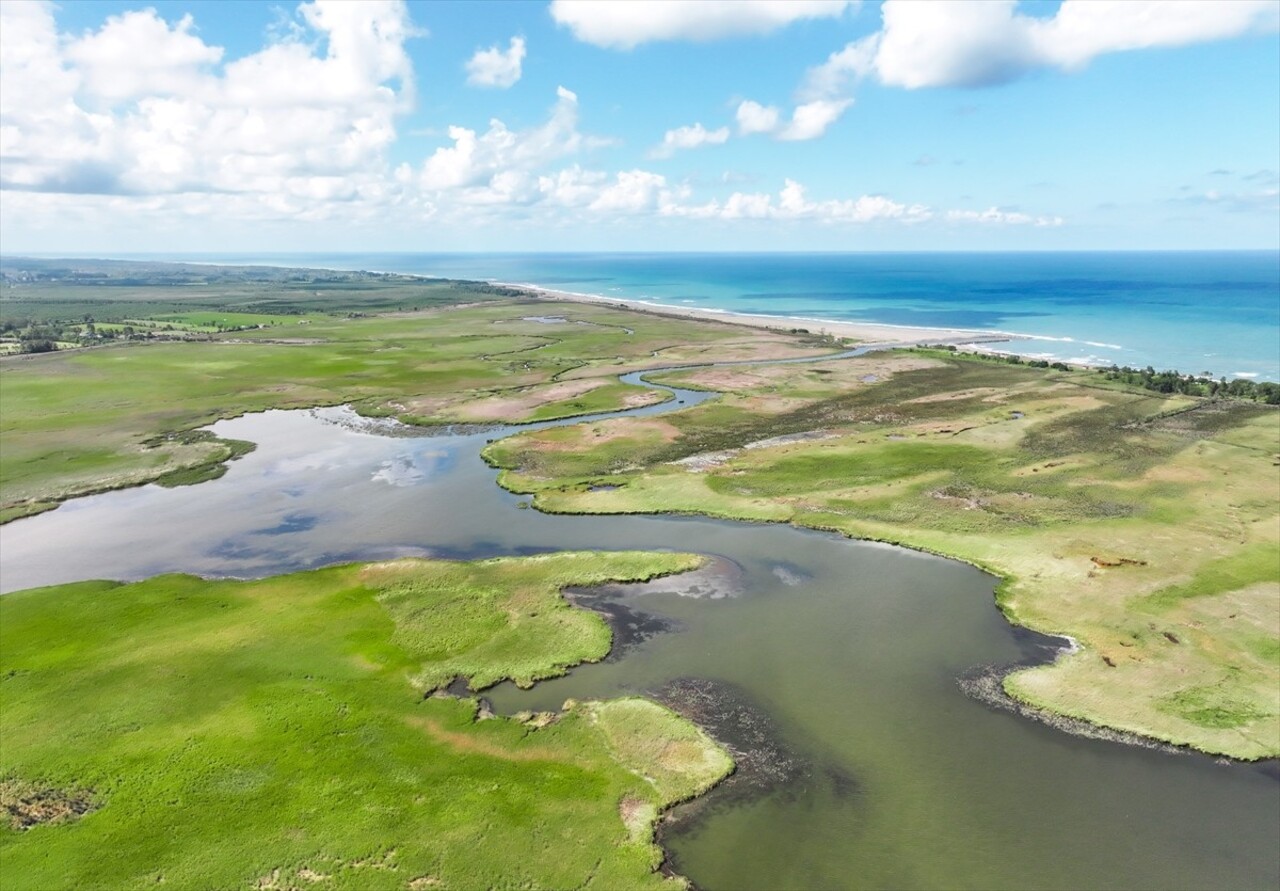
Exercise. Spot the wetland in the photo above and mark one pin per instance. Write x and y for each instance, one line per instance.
(832, 669)
(836, 661)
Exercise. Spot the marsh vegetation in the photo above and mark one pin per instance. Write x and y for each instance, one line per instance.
(283, 736)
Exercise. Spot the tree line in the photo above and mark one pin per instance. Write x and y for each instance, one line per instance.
(1267, 392)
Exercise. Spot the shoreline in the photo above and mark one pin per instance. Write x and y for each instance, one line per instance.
(978, 339)
(879, 334)
(863, 332)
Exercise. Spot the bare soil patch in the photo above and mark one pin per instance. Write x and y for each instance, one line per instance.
(26, 805)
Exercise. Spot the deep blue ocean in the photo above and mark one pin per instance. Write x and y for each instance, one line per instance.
(1193, 311)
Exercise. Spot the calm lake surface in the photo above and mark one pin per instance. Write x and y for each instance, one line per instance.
(846, 653)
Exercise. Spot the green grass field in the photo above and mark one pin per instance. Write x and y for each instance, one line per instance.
(1143, 525)
(111, 291)
(274, 734)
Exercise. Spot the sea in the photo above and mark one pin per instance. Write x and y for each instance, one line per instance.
(1215, 313)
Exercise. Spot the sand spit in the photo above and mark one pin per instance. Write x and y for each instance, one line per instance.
(865, 332)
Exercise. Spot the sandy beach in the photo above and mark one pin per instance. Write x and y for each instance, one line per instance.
(863, 332)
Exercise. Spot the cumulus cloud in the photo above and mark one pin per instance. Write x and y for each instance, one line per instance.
(695, 136)
(631, 191)
(808, 121)
(625, 24)
(493, 67)
(975, 43)
(811, 120)
(756, 118)
(138, 107)
(141, 122)
(474, 159)
(175, 61)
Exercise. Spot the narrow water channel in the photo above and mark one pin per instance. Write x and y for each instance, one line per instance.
(832, 664)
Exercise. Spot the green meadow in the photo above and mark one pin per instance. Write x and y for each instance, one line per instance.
(282, 733)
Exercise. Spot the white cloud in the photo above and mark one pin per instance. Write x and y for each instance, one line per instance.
(632, 191)
(808, 121)
(175, 61)
(756, 118)
(142, 124)
(832, 77)
(792, 203)
(46, 139)
(974, 43)
(474, 159)
(572, 186)
(138, 108)
(1082, 30)
(625, 24)
(695, 136)
(494, 68)
(995, 216)
(811, 120)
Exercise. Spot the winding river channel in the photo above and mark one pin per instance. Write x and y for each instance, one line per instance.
(830, 665)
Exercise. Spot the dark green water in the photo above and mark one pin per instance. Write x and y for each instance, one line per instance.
(835, 663)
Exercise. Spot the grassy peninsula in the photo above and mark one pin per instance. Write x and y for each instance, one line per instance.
(1143, 525)
(274, 734)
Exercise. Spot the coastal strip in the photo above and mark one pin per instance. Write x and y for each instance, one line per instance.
(865, 332)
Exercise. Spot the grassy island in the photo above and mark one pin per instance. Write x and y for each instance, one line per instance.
(275, 733)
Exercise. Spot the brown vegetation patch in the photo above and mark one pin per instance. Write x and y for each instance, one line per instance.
(755, 349)
(519, 403)
(1117, 561)
(621, 428)
(1175, 473)
(637, 815)
(679, 755)
(843, 373)
(424, 406)
(475, 744)
(732, 380)
(638, 400)
(972, 393)
(26, 805)
(966, 500)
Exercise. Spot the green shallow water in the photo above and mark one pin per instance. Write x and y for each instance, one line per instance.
(878, 772)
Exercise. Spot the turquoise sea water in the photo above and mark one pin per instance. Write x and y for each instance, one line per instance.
(1192, 311)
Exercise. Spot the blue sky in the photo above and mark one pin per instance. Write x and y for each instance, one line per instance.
(748, 125)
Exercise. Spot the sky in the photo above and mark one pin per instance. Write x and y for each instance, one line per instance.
(609, 125)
